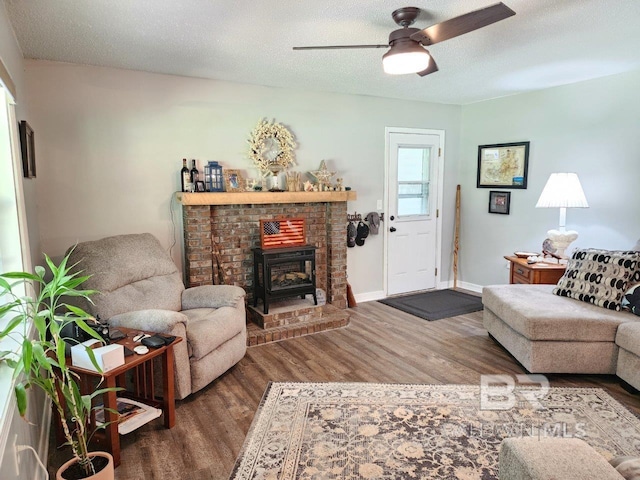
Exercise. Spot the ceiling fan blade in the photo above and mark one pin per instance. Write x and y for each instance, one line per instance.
(336, 47)
(463, 24)
(432, 68)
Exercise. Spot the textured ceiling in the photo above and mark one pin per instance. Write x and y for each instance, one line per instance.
(547, 43)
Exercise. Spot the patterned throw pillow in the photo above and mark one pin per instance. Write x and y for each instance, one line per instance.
(631, 300)
(600, 277)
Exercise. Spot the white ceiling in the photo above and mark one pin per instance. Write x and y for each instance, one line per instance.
(547, 43)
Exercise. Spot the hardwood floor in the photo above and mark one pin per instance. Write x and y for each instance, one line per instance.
(381, 344)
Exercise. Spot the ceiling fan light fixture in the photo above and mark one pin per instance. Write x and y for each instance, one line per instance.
(405, 57)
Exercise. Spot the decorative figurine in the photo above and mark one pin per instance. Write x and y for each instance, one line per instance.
(323, 175)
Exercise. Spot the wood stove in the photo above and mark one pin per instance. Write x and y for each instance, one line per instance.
(283, 272)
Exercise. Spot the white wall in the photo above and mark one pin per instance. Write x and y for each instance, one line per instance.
(590, 128)
(111, 142)
(12, 58)
(12, 426)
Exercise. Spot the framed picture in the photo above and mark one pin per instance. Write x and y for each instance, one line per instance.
(27, 146)
(233, 181)
(499, 202)
(199, 187)
(503, 165)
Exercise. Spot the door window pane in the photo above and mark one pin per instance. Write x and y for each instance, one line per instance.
(413, 181)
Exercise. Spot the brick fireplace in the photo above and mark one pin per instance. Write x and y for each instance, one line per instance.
(220, 230)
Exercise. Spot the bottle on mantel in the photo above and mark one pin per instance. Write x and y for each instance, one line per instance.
(195, 175)
(185, 177)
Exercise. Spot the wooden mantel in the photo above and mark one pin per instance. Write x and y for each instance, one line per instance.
(247, 198)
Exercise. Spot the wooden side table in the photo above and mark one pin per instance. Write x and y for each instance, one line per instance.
(143, 390)
(534, 273)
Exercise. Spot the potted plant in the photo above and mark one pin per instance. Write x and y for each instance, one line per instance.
(36, 321)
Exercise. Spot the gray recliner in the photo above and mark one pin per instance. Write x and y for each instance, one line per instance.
(140, 287)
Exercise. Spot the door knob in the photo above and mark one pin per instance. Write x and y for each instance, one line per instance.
(392, 229)
(392, 218)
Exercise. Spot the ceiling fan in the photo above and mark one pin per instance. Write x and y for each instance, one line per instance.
(406, 45)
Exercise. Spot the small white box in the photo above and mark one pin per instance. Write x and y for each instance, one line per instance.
(107, 357)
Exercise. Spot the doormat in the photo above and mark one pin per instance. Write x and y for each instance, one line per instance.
(436, 304)
(368, 430)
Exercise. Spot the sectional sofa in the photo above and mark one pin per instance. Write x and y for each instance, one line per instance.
(577, 326)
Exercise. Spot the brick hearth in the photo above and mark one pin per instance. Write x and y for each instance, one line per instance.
(220, 229)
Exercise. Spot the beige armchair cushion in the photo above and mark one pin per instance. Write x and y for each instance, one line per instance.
(131, 272)
(210, 296)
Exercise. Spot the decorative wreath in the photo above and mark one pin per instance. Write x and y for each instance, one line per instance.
(258, 146)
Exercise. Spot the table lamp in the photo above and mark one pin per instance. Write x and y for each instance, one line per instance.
(563, 190)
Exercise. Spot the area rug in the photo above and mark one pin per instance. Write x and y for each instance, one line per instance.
(367, 430)
(436, 304)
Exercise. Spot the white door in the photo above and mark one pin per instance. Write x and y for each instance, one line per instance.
(411, 218)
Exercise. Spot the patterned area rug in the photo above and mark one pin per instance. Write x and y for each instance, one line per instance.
(375, 431)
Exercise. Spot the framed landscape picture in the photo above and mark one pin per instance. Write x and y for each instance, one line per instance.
(503, 165)
(499, 202)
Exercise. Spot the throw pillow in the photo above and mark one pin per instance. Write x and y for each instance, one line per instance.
(631, 299)
(599, 277)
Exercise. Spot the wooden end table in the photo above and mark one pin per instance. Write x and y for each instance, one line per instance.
(534, 273)
(143, 390)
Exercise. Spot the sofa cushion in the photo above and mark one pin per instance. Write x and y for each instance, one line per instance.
(534, 312)
(131, 272)
(599, 277)
(208, 328)
(628, 337)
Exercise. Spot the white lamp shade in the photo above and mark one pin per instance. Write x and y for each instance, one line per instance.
(403, 62)
(563, 190)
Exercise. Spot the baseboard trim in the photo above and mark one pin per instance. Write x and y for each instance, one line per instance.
(472, 287)
(369, 296)
(379, 295)
(45, 430)
(469, 286)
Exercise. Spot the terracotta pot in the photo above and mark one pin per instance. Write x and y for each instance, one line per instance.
(107, 473)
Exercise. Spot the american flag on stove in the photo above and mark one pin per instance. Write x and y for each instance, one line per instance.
(282, 233)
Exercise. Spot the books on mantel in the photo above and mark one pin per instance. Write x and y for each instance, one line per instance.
(132, 415)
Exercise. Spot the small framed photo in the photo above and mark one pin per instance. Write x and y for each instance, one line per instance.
(200, 186)
(28, 150)
(233, 181)
(503, 165)
(499, 202)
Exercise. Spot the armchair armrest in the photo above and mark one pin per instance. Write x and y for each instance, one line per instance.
(211, 296)
(157, 321)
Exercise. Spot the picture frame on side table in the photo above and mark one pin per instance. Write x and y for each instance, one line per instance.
(199, 186)
(499, 202)
(233, 181)
(28, 150)
(503, 165)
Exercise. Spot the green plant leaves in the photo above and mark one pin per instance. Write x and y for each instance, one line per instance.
(42, 358)
(21, 398)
